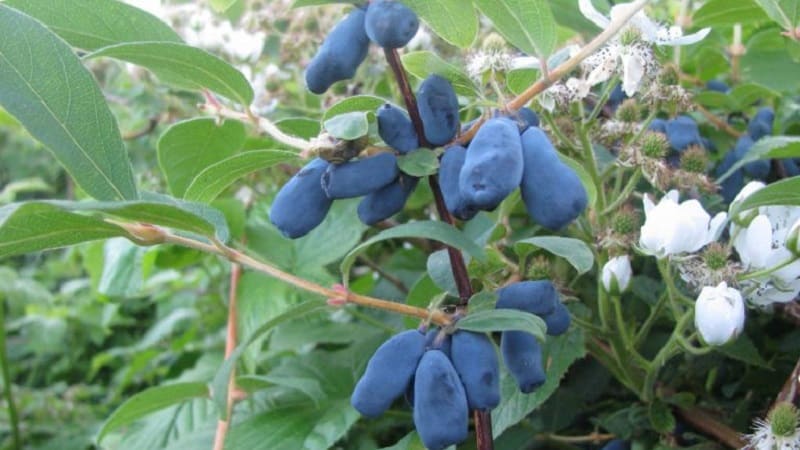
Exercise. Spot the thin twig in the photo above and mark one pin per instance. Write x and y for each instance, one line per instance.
(705, 422)
(397, 282)
(11, 405)
(230, 345)
(718, 123)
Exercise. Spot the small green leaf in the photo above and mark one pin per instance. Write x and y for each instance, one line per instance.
(301, 3)
(747, 94)
(184, 67)
(122, 268)
(743, 349)
(365, 103)
(490, 320)
(527, 24)
(717, 100)
(784, 12)
(419, 163)
(437, 231)
(767, 148)
(518, 80)
(575, 251)
(661, 417)
(423, 63)
(187, 148)
(348, 126)
(718, 13)
(64, 109)
(219, 387)
(92, 24)
(784, 192)
(222, 5)
(29, 227)
(484, 300)
(214, 179)
(559, 353)
(150, 401)
(454, 21)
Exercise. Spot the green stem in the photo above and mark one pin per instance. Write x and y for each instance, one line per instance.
(644, 128)
(655, 312)
(565, 141)
(12, 408)
(667, 351)
(591, 166)
(626, 192)
(672, 290)
(766, 272)
(603, 99)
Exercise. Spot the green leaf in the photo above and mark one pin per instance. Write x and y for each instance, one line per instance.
(365, 103)
(419, 163)
(149, 401)
(423, 63)
(747, 94)
(743, 349)
(437, 231)
(301, 3)
(63, 108)
(518, 80)
(348, 126)
(784, 192)
(575, 251)
(527, 24)
(768, 62)
(410, 442)
(767, 148)
(92, 24)
(583, 175)
(661, 417)
(487, 321)
(566, 13)
(184, 67)
(717, 13)
(714, 99)
(219, 387)
(122, 268)
(785, 12)
(559, 353)
(454, 21)
(214, 179)
(29, 227)
(222, 5)
(187, 148)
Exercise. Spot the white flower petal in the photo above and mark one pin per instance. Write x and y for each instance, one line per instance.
(632, 73)
(685, 40)
(756, 245)
(716, 226)
(590, 12)
(525, 62)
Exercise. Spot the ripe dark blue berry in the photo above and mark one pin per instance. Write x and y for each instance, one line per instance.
(387, 201)
(682, 132)
(388, 373)
(616, 444)
(360, 177)
(529, 116)
(735, 182)
(718, 86)
(552, 192)
(493, 165)
(522, 355)
(757, 169)
(436, 339)
(659, 125)
(438, 108)
(558, 321)
(340, 54)
(441, 415)
(390, 24)
(301, 204)
(536, 297)
(396, 129)
(474, 358)
(449, 171)
(761, 124)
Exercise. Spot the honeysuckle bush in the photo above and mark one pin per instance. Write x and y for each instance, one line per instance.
(150, 302)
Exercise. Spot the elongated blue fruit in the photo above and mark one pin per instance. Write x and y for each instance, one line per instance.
(558, 321)
(659, 125)
(757, 169)
(301, 204)
(522, 355)
(734, 183)
(475, 361)
(761, 124)
(387, 201)
(340, 54)
(438, 108)
(449, 171)
(390, 24)
(360, 177)
(529, 116)
(388, 373)
(441, 415)
(718, 86)
(435, 339)
(396, 129)
(493, 165)
(616, 444)
(683, 132)
(552, 192)
(536, 297)
(791, 166)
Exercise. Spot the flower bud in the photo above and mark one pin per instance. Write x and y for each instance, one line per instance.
(719, 314)
(617, 275)
(793, 239)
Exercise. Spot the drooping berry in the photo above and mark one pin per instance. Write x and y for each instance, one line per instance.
(388, 372)
(682, 132)
(438, 108)
(396, 129)
(387, 201)
(360, 177)
(340, 54)
(536, 297)
(441, 414)
(474, 358)
(522, 355)
(301, 204)
(390, 24)
(449, 171)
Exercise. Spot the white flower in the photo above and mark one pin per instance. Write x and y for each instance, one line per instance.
(671, 228)
(617, 274)
(719, 314)
(634, 62)
(779, 432)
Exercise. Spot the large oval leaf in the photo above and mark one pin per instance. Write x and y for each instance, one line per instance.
(184, 67)
(784, 192)
(454, 21)
(423, 63)
(489, 320)
(188, 147)
(45, 86)
(92, 24)
(527, 24)
(210, 182)
(575, 251)
(437, 231)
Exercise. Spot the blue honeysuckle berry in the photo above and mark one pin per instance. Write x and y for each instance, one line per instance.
(659, 125)
(558, 321)
(387, 201)
(717, 86)
(682, 132)
(522, 355)
(734, 183)
(438, 108)
(475, 360)
(759, 168)
(449, 170)
(339, 56)
(441, 414)
(301, 204)
(396, 129)
(536, 297)
(388, 373)
(390, 24)
(617, 444)
(360, 177)
(761, 124)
